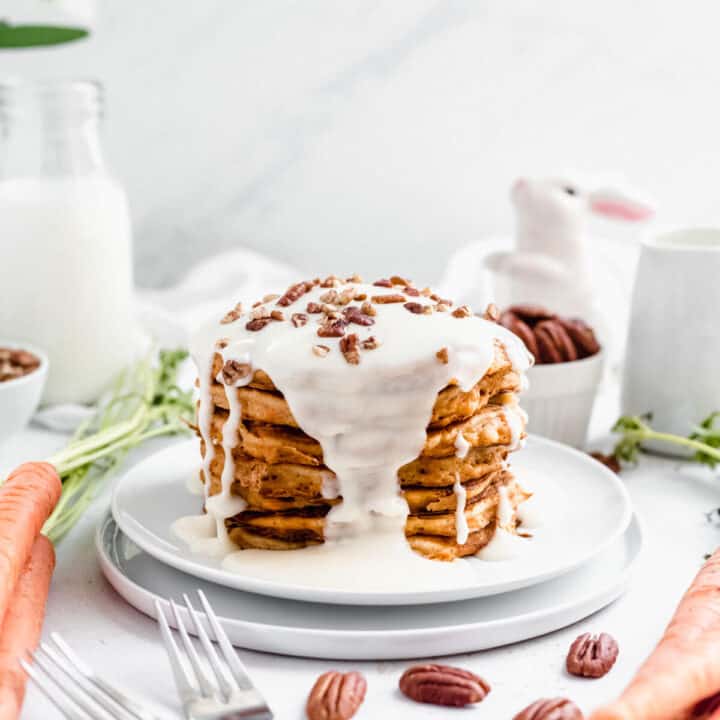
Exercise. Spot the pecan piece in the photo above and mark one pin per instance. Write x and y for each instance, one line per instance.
(492, 314)
(299, 319)
(332, 328)
(372, 343)
(357, 316)
(234, 371)
(411, 291)
(385, 299)
(349, 348)
(443, 685)
(462, 312)
(313, 308)
(277, 315)
(609, 461)
(330, 297)
(368, 308)
(331, 281)
(592, 655)
(294, 292)
(383, 283)
(397, 280)
(232, 315)
(321, 350)
(336, 696)
(415, 308)
(257, 324)
(706, 708)
(551, 709)
(443, 356)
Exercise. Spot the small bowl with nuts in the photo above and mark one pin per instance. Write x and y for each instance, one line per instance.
(23, 371)
(566, 375)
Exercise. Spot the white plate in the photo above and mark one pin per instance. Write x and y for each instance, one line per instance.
(342, 632)
(585, 508)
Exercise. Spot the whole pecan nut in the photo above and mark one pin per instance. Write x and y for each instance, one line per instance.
(519, 327)
(551, 709)
(592, 655)
(336, 696)
(443, 685)
(554, 343)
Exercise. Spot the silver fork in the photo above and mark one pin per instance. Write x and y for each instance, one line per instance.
(74, 689)
(232, 696)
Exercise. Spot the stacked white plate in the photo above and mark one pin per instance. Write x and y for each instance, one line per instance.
(578, 561)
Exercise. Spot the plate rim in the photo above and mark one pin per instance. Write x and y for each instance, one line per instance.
(346, 597)
(615, 587)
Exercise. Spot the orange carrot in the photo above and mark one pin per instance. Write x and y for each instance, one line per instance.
(26, 500)
(684, 668)
(20, 631)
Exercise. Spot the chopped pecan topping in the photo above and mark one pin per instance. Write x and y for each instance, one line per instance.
(257, 304)
(259, 312)
(386, 299)
(299, 319)
(438, 299)
(371, 343)
(278, 315)
(346, 296)
(331, 281)
(361, 296)
(368, 308)
(336, 696)
(462, 312)
(220, 344)
(551, 709)
(332, 328)
(331, 311)
(426, 292)
(442, 307)
(383, 283)
(349, 348)
(592, 655)
(321, 350)
(443, 685)
(354, 278)
(411, 291)
(427, 309)
(330, 297)
(491, 313)
(294, 292)
(233, 371)
(258, 324)
(414, 307)
(313, 308)
(443, 356)
(232, 315)
(270, 298)
(355, 315)
(397, 280)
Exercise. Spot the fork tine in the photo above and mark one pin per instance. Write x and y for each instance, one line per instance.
(206, 687)
(70, 689)
(184, 684)
(236, 666)
(225, 681)
(53, 694)
(112, 692)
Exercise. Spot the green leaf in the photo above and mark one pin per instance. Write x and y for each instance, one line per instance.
(24, 36)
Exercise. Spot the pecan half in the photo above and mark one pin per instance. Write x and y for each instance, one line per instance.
(349, 348)
(443, 685)
(336, 696)
(582, 335)
(332, 328)
(233, 371)
(551, 709)
(592, 655)
(385, 299)
(554, 342)
(519, 327)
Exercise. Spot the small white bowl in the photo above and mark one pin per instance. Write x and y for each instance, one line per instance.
(560, 398)
(20, 397)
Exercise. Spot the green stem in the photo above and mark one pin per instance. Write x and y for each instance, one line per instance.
(678, 440)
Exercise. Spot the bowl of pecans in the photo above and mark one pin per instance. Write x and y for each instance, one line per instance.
(566, 375)
(23, 371)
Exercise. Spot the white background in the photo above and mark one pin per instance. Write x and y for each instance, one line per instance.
(376, 135)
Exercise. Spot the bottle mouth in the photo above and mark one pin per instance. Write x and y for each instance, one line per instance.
(72, 99)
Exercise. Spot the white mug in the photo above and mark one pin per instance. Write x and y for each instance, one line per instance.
(672, 359)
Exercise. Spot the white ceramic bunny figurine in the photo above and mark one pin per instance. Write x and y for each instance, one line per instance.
(550, 263)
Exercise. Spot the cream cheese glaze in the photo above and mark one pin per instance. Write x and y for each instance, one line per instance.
(370, 418)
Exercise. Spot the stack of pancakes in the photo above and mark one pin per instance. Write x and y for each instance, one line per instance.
(280, 473)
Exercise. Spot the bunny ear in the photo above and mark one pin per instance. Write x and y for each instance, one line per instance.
(614, 205)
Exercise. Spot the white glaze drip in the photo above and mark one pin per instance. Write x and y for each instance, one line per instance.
(369, 418)
(205, 414)
(461, 525)
(505, 544)
(462, 446)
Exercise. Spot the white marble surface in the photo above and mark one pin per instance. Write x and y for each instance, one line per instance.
(362, 136)
(124, 644)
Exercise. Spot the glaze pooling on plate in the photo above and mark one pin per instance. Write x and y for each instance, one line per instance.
(367, 408)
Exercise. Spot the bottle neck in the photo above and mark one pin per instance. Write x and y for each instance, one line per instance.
(50, 129)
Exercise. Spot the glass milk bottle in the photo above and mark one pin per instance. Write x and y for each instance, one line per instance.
(65, 242)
